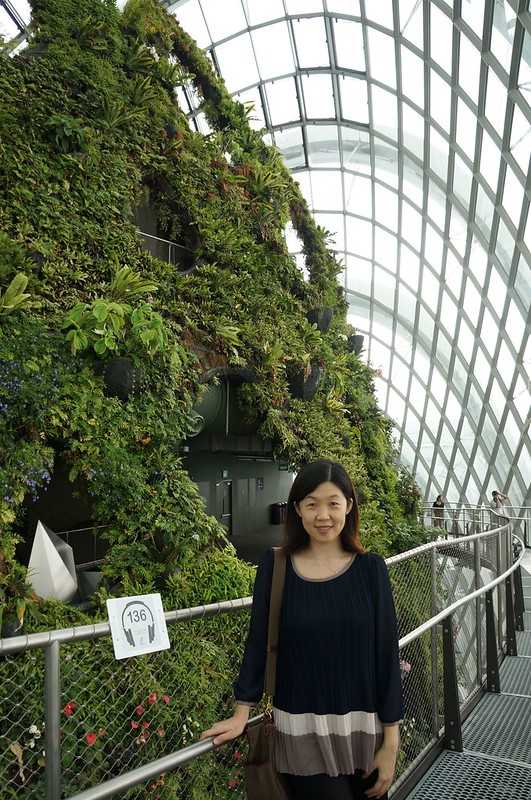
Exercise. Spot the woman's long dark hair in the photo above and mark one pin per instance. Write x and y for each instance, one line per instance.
(308, 479)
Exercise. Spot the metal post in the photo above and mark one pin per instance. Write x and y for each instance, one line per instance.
(52, 710)
(493, 674)
(511, 633)
(519, 607)
(479, 632)
(499, 594)
(434, 679)
(453, 739)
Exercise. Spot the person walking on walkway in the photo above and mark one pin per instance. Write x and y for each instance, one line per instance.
(338, 696)
(499, 499)
(438, 512)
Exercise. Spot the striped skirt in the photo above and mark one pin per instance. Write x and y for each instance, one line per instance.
(333, 744)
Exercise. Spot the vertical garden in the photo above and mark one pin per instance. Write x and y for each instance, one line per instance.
(90, 131)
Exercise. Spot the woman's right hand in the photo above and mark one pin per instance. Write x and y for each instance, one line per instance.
(225, 730)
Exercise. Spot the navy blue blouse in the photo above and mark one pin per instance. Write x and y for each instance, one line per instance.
(338, 642)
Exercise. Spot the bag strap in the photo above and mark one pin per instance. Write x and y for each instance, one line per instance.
(277, 587)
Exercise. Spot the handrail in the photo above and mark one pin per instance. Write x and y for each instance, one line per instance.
(468, 506)
(160, 239)
(99, 629)
(414, 634)
(421, 548)
(152, 769)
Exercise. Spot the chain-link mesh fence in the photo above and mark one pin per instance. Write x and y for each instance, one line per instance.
(118, 715)
(22, 728)
(427, 584)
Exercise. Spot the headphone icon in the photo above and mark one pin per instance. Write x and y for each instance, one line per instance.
(137, 615)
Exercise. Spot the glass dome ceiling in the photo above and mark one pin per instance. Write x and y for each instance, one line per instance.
(407, 124)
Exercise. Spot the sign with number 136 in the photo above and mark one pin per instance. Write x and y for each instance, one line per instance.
(138, 625)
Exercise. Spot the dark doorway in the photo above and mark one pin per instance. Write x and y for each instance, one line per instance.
(224, 504)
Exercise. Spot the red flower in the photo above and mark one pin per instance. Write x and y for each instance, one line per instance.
(139, 710)
(69, 709)
(91, 738)
(152, 698)
(134, 725)
(237, 755)
(145, 724)
(166, 698)
(232, 784)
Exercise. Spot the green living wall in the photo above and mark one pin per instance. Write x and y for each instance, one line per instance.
(90, 130)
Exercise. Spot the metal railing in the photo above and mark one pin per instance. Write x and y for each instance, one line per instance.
(163, 248)
(456, 612)
(466, 519)
(77, 538)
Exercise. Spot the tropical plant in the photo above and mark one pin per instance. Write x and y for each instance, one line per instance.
(68, 133)
(127, 283)
(14, 297)
(105, 325)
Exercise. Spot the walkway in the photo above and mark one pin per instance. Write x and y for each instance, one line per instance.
(496, 760)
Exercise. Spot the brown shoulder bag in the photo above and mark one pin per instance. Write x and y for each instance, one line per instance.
(263, 782)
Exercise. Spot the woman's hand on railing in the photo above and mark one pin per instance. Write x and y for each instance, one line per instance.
(226, 729)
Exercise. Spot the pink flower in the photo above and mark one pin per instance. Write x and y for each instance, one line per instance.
(166, 698)
(139, 710)
(405, 666)
(237, 755)
(91, 738)
(232, 784)
(152, 698)
(134, 725)
(161, 732)
(145, 724)
(69, 709)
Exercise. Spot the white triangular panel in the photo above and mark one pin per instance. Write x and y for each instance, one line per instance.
(51, 570)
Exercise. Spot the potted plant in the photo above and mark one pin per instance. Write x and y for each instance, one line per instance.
(321, 316)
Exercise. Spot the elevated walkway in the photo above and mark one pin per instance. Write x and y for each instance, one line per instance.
(464, 613)
(496, 759)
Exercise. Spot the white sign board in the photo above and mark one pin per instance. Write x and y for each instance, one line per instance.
(138, 625)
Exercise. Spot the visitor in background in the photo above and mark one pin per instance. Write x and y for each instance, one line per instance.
(438, 512)
(498, 508)
(499, 499)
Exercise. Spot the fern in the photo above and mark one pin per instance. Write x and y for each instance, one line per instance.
(127, 283)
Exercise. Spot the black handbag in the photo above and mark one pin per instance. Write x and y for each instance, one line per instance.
(263, 782)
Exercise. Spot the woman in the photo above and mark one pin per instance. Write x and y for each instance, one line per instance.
(438, 511)
(338, 698)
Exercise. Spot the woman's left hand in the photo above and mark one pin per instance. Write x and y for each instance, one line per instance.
(385, 762)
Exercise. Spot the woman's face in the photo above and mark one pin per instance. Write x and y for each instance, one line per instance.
(323, 512)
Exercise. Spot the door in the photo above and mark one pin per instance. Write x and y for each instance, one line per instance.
(224, 504)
